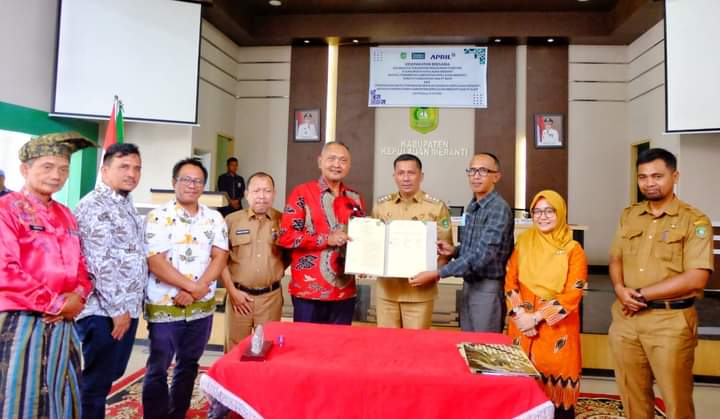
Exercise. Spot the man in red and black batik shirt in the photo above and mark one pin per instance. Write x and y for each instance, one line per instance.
(314, 227)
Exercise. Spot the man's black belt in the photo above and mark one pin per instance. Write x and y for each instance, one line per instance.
(672, 304)
(258, 291)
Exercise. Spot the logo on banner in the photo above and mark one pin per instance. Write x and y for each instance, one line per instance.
(423, 119)
(479, 54)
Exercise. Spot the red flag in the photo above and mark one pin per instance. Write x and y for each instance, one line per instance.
(110, 131)
(114, 132)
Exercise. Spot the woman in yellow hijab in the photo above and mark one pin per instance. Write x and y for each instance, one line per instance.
(546, 275)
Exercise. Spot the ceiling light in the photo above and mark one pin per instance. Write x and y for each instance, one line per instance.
(498, 40)
(551, 40)
(275, 3)
(307, 41)
(355, 41)
(582, 1)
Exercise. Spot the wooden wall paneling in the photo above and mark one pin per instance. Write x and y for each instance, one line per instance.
(547, 92)
(495, 125)
(355, 119)
(308, 90)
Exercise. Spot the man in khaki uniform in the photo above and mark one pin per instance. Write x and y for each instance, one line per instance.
(660, 261)
(398, 304)
(256, 264)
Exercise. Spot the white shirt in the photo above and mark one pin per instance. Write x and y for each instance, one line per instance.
(307, 130)
(550, 136)
(188, 242)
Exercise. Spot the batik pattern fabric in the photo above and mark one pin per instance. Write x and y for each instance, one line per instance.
(40, 255)
(113, 242)
(555, 350)
(313, 212)
(187, 243)
(39, 367)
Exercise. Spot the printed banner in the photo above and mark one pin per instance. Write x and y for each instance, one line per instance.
(452, 77)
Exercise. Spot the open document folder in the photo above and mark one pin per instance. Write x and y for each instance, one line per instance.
(401, 248)
(496, 359)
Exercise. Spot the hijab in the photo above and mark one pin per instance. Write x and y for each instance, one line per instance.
(544, 257)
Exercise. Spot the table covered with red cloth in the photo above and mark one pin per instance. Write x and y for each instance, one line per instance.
(325, 371)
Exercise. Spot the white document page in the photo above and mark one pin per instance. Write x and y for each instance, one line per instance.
(366, 249)
(409, 244)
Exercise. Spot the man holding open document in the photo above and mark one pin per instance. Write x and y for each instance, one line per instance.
(399, 304)
(313, 228)
(485, 246)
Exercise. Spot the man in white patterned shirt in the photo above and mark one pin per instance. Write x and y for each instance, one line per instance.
(112, 238)
(187, 250)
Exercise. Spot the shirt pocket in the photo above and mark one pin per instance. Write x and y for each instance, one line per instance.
(44, 239)
(241, 245)
(669, 249)
(272, 246)
(631, 241)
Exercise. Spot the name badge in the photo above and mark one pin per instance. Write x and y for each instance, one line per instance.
(242, 231)
(36, 228)
(463, 219)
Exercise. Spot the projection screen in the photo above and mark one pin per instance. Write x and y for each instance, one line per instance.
(692, 65)
(144, 51)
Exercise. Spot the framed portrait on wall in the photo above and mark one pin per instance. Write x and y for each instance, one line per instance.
(549, 130)
(307, 125)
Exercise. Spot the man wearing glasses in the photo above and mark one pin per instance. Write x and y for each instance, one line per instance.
(485, 246)
(187, 246)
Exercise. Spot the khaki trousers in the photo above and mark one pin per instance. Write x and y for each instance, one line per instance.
(407, 315)
(660, 344)
(266, 307)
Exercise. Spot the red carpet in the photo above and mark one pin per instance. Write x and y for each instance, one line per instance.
(125, 402)
(125, 399)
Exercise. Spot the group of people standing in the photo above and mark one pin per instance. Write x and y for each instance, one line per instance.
(95, 272)
(73, 287)
(660, 261)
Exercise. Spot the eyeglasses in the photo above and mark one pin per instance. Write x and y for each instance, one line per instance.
(482, 171)
(187, 181)
(538, 212)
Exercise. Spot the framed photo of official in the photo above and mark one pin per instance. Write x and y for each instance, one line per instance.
(549, 130)
(307, 125)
